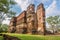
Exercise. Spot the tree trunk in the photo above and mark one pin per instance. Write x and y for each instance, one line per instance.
(53, 29)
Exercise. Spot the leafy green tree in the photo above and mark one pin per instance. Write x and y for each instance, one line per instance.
(4, 28)
(5, 5)
(5, 9)
(6, 12)
(53, 21)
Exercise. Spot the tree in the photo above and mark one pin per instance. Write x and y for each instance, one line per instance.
(53, 21)
(4, 28)
(5, 6)
(6, 12)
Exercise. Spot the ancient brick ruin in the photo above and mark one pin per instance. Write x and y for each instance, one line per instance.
(29, 21)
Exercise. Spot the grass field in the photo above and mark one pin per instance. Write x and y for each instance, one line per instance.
(33, 37)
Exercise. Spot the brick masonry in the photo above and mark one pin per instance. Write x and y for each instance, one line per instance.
(29, 21)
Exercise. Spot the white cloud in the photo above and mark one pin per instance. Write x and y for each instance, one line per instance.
(42, 1)
(6, 22)
(52, 9)
(24, 3)
(45, 1)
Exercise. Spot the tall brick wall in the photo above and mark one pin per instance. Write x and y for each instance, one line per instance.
(30, 18)
(21, 22)
(41, 18)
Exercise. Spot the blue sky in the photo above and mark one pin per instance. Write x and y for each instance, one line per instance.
(52, 7)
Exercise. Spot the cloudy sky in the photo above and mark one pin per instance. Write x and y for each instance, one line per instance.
(52, 7)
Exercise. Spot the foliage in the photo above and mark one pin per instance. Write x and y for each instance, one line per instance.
(5, 9)
(53, 21)
(6, 12)
(4, 28)
(1, 38)
(5, 5)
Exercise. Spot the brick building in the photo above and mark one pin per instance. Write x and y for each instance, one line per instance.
(12, 25)
(29, 21)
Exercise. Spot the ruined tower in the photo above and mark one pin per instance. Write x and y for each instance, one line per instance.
(41, 19)
(30, 18)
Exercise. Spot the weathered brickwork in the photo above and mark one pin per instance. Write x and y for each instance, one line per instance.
(41, 18)
(12, 26)
(30, 18)
(29, 21)
(21, 22)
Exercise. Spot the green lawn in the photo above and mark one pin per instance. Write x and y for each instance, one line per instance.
(33, 37)
(1, 38)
